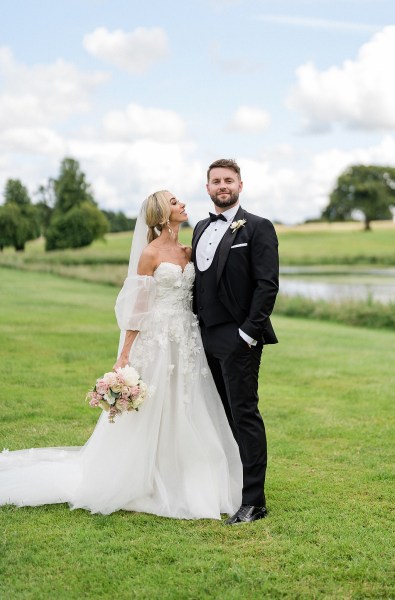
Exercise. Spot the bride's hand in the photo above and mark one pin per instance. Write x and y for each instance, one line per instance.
(121, 362)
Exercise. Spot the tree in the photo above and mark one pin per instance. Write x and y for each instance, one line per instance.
(75, 220)
(9, 216)
(76, 228)
(45, 204)
(368, 189)
(119, 221)
(44, 213)
(71, 188)
(18, 217)
(16, 193)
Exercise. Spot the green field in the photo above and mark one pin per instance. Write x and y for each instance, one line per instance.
(322, 244)
(106, 260)
(327, 397)
(339, 247)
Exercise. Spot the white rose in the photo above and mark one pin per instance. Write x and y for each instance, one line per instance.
(117, 387)
(130, 375)
(137, 401)
(109, 399)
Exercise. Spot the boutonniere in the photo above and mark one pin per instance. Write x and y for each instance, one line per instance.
(237, 224)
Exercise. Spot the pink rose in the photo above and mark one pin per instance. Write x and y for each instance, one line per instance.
(110, 378)
(121, 378)
(101, 387)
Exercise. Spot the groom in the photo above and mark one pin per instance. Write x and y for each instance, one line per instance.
(236, 262)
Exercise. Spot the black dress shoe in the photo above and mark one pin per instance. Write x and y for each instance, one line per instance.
(247, 514)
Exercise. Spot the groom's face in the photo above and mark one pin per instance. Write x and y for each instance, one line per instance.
(224, 187)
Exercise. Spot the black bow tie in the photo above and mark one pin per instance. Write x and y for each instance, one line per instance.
(214, 217)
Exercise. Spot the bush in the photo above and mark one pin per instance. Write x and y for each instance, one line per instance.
(18, 225)
(350, 312)
(76, 228)
(119, 221)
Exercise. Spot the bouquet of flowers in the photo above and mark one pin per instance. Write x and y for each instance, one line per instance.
(118, 392)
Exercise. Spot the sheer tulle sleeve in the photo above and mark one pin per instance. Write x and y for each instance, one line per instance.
(135, 301)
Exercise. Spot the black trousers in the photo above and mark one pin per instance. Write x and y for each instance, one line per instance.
(235, 369)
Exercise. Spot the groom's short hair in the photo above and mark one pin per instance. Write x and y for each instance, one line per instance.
(225, 163)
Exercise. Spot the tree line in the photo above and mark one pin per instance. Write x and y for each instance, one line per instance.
(66, 213)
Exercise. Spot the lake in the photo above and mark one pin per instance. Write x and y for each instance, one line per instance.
(339, 284)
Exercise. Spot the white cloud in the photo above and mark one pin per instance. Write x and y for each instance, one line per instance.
(274, 192)
(249, 119)
(43, 94)
(313, 23)
(359, 94)
(290, 195)
(35, 140)
(107, 193)
(141, 122)
(134, 52)
(335, 160)
(34, 100)
(279, 152)
(124, 174)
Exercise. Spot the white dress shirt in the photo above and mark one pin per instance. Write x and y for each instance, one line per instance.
(211, 237)
(208, 244)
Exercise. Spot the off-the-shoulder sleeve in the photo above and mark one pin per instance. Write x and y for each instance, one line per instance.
(135, 301)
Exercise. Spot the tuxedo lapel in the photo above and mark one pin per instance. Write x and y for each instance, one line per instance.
(226, 243)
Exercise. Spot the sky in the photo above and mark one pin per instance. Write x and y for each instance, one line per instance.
(146, 94)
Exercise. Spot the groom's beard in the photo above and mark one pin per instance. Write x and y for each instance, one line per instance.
(228, 202)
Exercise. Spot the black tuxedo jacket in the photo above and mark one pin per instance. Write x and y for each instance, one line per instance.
(247, 273)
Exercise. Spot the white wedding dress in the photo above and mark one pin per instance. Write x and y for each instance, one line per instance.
(176, 456)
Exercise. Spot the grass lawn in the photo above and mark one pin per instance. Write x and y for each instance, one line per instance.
(333, 245)
(105, 261)
(327, 398)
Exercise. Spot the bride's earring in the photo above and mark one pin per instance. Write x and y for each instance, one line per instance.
(169, 228)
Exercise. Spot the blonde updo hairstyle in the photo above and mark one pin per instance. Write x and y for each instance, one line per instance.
(157, 214)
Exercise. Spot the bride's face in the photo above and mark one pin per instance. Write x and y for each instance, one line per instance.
(177, 209)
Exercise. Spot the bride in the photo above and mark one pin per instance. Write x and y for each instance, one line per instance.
(176, 456)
